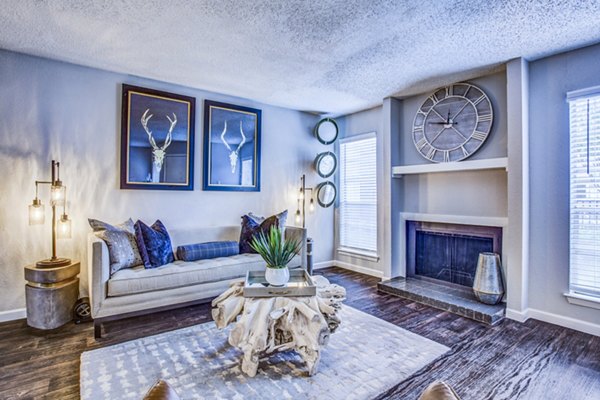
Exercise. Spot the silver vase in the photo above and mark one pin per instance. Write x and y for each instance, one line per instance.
(488, 286)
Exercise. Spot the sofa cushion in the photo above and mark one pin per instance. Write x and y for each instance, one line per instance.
(154, 244)
(207, 250)
(184, 273)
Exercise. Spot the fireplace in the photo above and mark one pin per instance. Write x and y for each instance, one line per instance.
(448, 252)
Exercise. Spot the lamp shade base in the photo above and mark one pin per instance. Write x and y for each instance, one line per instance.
(53, 262)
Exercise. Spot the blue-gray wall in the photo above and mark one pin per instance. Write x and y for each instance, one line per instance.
(51, 109)
(549, 81)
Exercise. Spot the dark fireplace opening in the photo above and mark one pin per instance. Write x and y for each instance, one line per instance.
(448, 252)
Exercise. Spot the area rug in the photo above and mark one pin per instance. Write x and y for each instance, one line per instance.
(364, 357)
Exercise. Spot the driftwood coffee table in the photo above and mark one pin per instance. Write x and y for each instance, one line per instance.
(269, 324)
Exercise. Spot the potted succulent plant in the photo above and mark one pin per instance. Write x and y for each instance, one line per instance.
(277, 253)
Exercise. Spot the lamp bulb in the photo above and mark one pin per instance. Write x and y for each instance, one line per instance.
(311, 205)
(58, 194)
(36, 213)
(63, 229)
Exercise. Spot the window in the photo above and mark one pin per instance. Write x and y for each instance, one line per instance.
(358, 194)
(584, 110)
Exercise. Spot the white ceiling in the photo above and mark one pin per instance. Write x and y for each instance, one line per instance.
(334, 56)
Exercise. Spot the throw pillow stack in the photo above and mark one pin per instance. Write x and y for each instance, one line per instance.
(252, 225)
(130, 245)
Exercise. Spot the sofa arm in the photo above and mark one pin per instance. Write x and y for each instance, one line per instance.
(98, 272)
(292, 232)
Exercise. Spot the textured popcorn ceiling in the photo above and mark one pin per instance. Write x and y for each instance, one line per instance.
(333, 56)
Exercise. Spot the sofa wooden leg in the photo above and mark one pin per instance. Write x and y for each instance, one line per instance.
(97, 330)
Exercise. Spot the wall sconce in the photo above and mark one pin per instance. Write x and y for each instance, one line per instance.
(60, 228)
(301, 212)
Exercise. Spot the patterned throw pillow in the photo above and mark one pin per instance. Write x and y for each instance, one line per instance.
(98, 226)
(154, 244)
(251, 227)
(122, 247)
(204, 251)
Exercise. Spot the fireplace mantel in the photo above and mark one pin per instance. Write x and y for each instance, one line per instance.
(454, 219)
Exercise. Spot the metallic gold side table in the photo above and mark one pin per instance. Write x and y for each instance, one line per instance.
(50, 294)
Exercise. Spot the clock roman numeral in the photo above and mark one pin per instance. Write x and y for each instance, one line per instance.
(434, 98)
(421, 143)
(431, 153)
(446, 156)
(479, 100)
(418, 128)
(465, 152)
(466, 91)
(486, 117)
(479, 136)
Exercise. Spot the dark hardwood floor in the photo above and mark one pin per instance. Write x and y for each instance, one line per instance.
(534, 360)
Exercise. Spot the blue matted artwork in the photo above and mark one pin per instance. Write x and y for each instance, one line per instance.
(157, 140)
(231, 147)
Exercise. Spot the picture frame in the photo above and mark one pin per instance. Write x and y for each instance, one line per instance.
(157, 139)
(232, 137)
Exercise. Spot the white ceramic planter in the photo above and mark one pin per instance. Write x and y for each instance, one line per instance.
(277, 276)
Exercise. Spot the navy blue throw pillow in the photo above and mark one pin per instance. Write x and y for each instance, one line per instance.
(203, 251)
(154, 244)
(251, 227)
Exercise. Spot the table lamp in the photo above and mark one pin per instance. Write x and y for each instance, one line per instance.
(61, 228)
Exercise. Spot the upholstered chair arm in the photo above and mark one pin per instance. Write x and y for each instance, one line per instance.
(98, 272)
(292, 232)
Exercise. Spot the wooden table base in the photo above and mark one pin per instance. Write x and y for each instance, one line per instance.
(302, 324)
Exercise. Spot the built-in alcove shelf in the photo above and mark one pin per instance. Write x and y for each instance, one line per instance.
(472, 165)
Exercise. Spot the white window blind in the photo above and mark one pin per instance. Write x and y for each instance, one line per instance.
(585, 195)
(358, 194)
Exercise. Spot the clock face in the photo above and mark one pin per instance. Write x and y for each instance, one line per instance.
(326, 164)
(452, 123)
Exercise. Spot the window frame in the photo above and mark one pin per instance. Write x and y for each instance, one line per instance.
(344, 249)
(575, 296)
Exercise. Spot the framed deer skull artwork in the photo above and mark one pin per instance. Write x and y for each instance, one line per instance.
(157, 140)
(231, 147)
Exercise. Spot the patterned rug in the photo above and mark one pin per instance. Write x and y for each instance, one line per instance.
(363, 358)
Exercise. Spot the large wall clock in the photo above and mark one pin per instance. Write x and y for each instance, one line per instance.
(452, 123)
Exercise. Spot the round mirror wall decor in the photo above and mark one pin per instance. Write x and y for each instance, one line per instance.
(326, 131)
(326, 194)
(326, 164)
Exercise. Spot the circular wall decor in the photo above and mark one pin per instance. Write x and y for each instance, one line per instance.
(452, 123)
(326, 164)
(327, 130)
(326, 194)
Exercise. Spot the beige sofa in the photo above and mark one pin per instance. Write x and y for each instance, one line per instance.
(138, 290)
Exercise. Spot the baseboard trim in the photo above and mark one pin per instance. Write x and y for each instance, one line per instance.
(324, 264)
(11, 315)
(567, 322)
(519, 316)
(358, 268)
